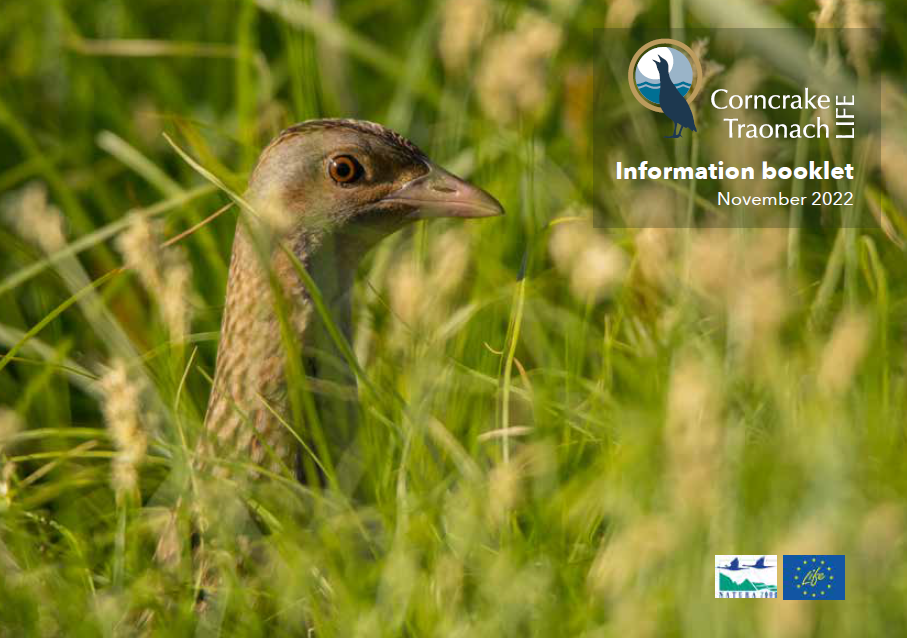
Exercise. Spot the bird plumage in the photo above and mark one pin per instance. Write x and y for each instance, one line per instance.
(336, 188)
(671, 101)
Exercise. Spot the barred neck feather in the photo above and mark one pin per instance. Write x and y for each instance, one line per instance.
(248, 412)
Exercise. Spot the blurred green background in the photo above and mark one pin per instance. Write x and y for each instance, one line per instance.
(589, 416)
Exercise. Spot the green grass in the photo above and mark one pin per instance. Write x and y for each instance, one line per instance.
(545, 455)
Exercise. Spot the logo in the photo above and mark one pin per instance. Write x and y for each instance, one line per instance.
(665, 75)
(746, 576)
(814, 577)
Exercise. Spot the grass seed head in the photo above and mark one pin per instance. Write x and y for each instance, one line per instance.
(592, 264)
(407, 292)
(36, 220)
(710, 68)
(844, 352)
(513, 77)
(599, 268)
(630, 554)
(421, 297)
(654, 247)
(883, 533)
(10, 425)
(449, 261)
(122, 412)
(623, 13)
(693, 436)
(503, 491)
(825, 17)
(164, 272)
(862, 20)
(464, 24)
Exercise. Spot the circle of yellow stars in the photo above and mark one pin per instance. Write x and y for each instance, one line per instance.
(799, 575)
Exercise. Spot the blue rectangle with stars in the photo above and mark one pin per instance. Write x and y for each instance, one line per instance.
(813, 577)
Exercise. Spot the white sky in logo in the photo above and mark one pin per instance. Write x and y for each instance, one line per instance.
(646, 64)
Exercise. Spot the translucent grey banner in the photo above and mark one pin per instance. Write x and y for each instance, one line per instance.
(739, 128)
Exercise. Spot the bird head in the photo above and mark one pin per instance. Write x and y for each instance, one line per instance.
(662, 64)
(351, 176)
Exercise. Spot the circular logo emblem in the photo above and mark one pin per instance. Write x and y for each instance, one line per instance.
(662, 61)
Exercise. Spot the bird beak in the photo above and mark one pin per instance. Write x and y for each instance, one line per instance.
(442, 194)
(661, 59)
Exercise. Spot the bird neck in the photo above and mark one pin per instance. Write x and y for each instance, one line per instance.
(248, 411)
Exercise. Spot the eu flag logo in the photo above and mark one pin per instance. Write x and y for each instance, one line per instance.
(813, 577)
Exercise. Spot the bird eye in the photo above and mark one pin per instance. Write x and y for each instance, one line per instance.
(344, 169)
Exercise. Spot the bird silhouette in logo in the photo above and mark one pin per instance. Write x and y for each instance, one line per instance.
(760, 564)
(734, 566)
(672, 102)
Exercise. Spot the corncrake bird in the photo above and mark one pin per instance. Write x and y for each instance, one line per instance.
(332, 189)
